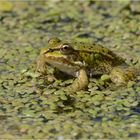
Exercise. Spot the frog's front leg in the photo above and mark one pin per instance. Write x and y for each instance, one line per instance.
(41, 65)
(45, 70)
(121, 75)
(81, 82)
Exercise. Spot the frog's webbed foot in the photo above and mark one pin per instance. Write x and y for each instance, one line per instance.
(81, 82)
(121, 76)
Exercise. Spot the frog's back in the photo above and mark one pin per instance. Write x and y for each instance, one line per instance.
(98, 59)
(98, 50)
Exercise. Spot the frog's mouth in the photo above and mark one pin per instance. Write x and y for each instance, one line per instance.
(63, 64)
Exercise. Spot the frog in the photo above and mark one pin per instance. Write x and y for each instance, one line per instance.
(82, 61)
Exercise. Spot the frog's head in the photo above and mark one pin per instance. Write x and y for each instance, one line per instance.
(62, 56)
(56, 45)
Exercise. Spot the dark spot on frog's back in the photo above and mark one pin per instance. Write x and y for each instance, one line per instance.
(86, 55)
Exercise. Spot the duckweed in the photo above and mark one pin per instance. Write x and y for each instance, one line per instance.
(33, 108)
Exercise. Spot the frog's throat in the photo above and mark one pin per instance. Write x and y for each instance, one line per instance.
(64, 65)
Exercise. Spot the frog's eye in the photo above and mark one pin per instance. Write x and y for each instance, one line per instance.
(66, 49)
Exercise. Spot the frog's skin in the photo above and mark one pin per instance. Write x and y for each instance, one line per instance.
(82, 61)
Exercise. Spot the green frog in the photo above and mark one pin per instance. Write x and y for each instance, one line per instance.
(82, 61)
